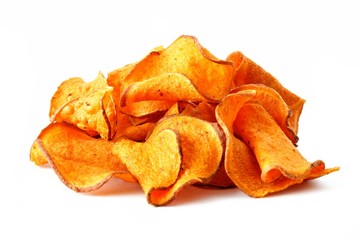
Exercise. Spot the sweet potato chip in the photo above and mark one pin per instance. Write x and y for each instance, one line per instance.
(248, 72)
(87, 105)
(275, 105)
(83, 163)
(243, 168)
(202, 149)
(172, 87)
(155, 163)
(210, 76)
(274, 152)
(178, 117)
(242, 165)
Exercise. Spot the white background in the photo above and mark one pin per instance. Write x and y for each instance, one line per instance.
(312, 47)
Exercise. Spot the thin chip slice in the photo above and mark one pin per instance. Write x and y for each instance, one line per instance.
(248, 72)
(245, 172)
(164, 87)
(274, 105)
(89, 106)
(74, 88)
(83, 163)
(155, 163)
(202, 150)
(210, 76)
(275, 153)
(243, 168)
(240, 162)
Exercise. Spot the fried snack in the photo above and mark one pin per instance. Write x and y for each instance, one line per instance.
(259, 158)
(172, 87)
(89, 106)
(178, 117)
(154, 164)
(202, 148)
(248, 72)
(82, 163)
(274, 152)
(275, 105)
(211, 76)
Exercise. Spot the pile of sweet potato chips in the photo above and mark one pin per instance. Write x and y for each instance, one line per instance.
(178, 117)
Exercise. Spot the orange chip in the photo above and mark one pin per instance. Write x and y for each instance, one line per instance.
(202, 149)
(245, 172)
(248, 72)
(210, 76)
(81, 162)
(178, 117)
(275, 105)
(243, 167)
(154, 164)
(274, 152)
(87, 105)
(164, 87)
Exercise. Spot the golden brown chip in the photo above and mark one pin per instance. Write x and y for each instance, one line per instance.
(89, 106)
(83, 163)
(248, 72)
(202, 150)
(155, 163)
(210, 76)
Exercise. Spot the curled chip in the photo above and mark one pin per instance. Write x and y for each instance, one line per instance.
(275, 105)
(211, 76)
(259, 157)
(202, 149)
(83, 163)
(172, 87)
(89, 106)
(176, 118)
(248, 72)
(154, 164)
